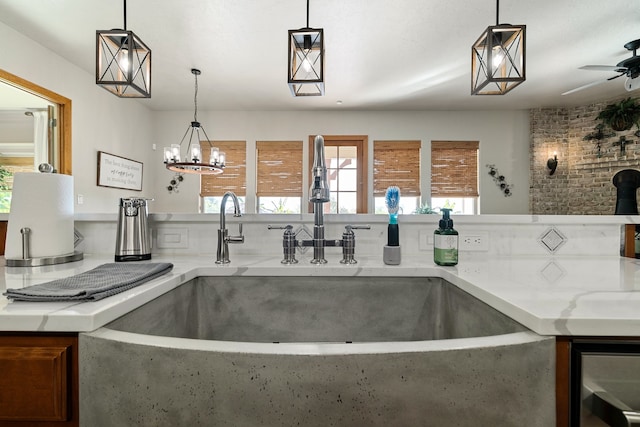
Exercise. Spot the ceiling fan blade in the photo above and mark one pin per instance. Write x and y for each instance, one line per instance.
(615, 77)
(592, 84)
(585, 86)
(604, 68)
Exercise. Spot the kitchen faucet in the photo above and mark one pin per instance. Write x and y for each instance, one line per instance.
(318, 195)
(222, 254)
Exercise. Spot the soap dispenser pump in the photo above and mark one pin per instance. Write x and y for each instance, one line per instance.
(445, 241)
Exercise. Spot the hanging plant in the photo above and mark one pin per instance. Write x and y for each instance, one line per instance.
(621, 115)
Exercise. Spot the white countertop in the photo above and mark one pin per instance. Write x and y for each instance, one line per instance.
(578, 295)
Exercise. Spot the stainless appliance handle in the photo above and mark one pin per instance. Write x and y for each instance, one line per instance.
(612, 411)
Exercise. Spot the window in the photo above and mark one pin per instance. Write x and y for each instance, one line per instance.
(346, 160)
(454, 176)
(8, 168)
(213, 187)
(279, 176)
(397, 163)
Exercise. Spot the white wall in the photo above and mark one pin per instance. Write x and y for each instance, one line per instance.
(16, 128)
(100, 120)
(125, 127)
(503, 136)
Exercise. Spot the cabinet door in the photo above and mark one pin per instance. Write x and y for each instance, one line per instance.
(38, 379)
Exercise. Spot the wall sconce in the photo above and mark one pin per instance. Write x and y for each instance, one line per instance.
(552, 164)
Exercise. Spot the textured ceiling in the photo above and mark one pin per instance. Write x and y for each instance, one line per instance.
(380, 54)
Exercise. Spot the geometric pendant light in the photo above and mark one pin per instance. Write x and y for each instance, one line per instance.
(306, 60)
(498, 59)
(123, 62)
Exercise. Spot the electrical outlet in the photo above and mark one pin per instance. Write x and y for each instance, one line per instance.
(426, 240)
(173, 238)
(477, 241)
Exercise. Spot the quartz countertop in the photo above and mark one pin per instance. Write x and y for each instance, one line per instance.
(581, 295)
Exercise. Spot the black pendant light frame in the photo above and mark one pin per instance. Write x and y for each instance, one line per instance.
(306, 60)
(123, 62)
(498, 58)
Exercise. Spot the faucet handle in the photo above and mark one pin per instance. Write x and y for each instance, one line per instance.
(349, 243)
(236, 239)
(288, 243)
(348, 228)
(287, 227)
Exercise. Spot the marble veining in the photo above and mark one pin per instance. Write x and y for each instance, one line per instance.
(579, 295)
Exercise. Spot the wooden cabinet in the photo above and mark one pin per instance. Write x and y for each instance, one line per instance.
(3, 236)
(563, 381)
(38, 379)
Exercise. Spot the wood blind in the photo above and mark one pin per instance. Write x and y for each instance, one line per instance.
(279, 168)
(454, 168)
(234, 177)
(14, 165)
(396, 163)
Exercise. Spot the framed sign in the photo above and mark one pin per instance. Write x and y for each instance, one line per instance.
(119, 172)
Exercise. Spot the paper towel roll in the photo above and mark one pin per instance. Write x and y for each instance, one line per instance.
(44, 203)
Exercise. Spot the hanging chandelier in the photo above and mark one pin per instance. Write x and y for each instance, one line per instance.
(193, 162)
(498, 58)
(306, 60)
(123, 62)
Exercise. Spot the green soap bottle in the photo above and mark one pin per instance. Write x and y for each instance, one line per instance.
(445, 241)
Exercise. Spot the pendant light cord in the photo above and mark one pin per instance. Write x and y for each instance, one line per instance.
(497, 12)
(308, 14)
(125, 15)
(195, 100)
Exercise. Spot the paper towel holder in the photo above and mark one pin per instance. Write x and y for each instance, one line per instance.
(27, 261)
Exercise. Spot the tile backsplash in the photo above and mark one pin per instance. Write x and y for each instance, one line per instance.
(506, 235)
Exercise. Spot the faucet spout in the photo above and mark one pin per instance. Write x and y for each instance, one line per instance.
(222, 254)
(319, 191)
(223, 207)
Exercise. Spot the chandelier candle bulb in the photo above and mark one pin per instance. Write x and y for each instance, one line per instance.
(195, 153)
(215, 155)
(168, 156)
(391, 252)
(175, 152)
(222, 158)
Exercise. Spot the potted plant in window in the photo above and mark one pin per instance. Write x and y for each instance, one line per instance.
(424, 209)
(5, 189)
(621, 115)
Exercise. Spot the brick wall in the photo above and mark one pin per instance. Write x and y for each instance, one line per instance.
(582, 183)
